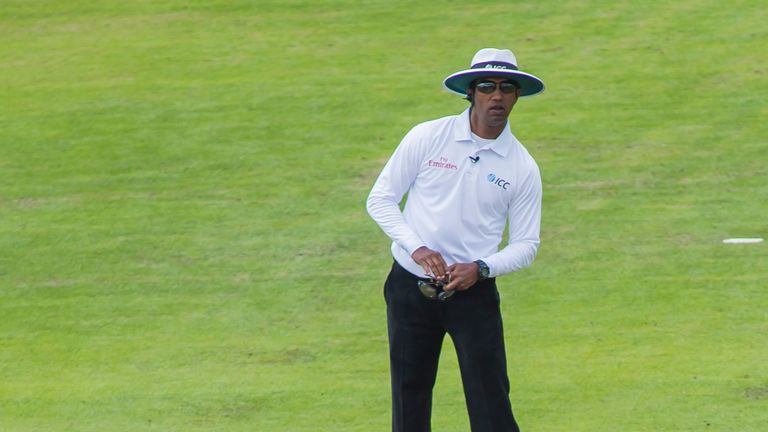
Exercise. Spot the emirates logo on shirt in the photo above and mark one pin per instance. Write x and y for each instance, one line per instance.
(442, 163)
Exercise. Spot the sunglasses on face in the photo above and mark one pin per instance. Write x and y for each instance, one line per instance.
(435, 290)
(489, 87)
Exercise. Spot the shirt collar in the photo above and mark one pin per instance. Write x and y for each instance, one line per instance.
(502, 144)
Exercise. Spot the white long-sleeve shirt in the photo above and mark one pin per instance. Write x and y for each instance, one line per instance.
(458, 205)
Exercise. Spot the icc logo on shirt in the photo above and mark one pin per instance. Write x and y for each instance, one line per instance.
(498, 181)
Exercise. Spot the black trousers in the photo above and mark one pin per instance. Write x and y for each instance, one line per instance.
(417, 326)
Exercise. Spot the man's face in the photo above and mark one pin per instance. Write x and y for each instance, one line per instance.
(494, 98)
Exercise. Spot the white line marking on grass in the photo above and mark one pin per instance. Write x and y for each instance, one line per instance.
(742, 240)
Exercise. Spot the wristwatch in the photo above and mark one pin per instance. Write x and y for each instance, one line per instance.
(483, 272)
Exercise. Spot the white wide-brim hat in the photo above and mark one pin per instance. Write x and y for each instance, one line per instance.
(492, 62)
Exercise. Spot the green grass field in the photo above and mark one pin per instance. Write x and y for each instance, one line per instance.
(183, 237)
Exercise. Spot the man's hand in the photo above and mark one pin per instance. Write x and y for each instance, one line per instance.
(432, 262)
(462, 276)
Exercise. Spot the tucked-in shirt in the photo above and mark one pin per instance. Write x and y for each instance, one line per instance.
(461, 194)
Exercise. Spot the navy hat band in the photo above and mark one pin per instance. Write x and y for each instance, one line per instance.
(494, 65)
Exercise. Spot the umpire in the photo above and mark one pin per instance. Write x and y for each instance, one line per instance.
(466, 177)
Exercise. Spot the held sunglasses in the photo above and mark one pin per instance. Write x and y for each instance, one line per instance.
(435, 290)
(488, 87)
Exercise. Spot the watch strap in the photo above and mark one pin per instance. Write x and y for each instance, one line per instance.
(483, 272)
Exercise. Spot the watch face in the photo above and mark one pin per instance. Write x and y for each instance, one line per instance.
(483, 269)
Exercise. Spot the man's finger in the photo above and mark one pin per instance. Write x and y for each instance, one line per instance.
(439, 267)
(453, 285)
(429, 261)
(435, 264)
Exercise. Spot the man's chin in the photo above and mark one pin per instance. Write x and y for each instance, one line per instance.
(497, 117)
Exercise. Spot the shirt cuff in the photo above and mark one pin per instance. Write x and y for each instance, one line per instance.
(411, 246)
